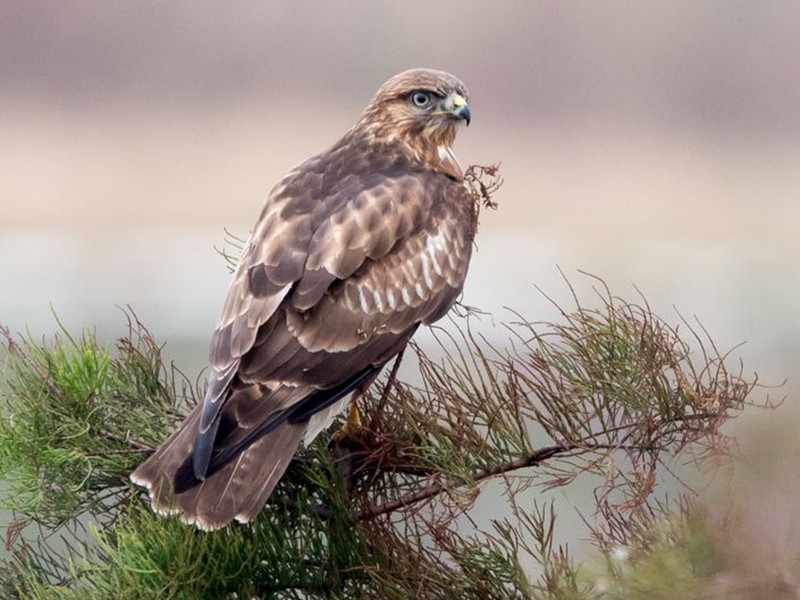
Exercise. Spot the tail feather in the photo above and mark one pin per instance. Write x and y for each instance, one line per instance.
(240, 488)
(255, 436)
(237, 490)
(164, 471)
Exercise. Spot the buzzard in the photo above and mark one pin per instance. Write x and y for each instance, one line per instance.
(352, 251)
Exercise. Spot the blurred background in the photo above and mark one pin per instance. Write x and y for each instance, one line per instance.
(656, 146)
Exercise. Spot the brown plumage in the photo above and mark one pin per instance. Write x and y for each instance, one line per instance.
(352, 251)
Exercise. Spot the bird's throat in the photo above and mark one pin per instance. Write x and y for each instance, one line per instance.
(447, 161)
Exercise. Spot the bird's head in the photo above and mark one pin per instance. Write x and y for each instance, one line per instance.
(420, 108)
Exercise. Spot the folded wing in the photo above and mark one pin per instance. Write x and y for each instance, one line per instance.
(333, 282)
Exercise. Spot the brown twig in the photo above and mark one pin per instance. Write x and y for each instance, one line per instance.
(375, 421)
(135, 446)
(531, 460)
(121, 451)
(372, 511)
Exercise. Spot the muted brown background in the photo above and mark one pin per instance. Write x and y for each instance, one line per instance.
(655, 145)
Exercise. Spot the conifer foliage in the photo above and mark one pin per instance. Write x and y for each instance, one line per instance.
(608, 393)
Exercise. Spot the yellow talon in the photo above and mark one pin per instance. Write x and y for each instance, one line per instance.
(351, 427)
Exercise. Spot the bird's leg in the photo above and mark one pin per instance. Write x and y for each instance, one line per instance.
(352, 427)
(343, 445)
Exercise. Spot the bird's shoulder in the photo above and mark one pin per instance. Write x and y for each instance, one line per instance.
(354, 194)
(340, 214)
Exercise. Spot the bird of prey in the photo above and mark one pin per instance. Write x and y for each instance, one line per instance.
(352, 251)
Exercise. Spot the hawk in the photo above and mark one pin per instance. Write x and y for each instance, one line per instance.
(352, 251)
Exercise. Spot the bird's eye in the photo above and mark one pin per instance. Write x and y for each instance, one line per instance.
(421, 98)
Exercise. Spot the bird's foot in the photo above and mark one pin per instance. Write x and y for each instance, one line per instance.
(351, 428)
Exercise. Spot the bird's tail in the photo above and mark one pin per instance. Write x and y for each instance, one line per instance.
(237, 490)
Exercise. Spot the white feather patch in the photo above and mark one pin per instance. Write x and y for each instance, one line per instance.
(426, 270)
(323, 419)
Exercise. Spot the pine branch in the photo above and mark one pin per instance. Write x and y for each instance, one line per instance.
(434, 489)
(612, 393)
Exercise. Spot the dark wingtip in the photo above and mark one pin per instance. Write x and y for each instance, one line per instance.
(186, 477)
(201, 457)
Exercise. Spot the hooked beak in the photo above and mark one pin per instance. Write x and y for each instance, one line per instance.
(456, 105)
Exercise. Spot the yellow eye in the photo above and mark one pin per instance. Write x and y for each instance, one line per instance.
(421, 99)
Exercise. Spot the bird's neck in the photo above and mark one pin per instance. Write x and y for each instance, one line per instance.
(435, 152)
(445, 161)
(432, 148)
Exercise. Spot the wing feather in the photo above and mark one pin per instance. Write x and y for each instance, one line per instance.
(416, 283)
(352, 251)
